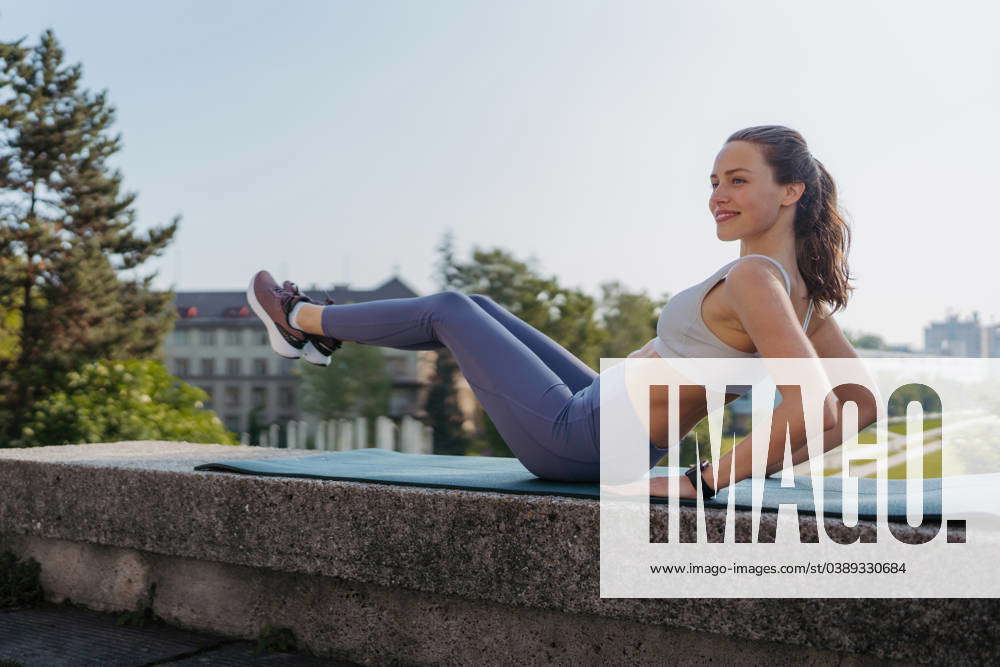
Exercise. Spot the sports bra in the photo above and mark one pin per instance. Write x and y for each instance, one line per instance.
(681, 331)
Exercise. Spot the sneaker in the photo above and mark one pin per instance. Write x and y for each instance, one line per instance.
(272, 303)
(318, 348)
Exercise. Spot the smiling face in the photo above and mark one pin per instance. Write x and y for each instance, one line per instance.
(746, 201)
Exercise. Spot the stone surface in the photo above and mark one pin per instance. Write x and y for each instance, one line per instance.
(53, 636)
(494, 552)
(379, 625)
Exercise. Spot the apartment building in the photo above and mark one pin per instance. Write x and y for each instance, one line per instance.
(218, 344)
(954, 337)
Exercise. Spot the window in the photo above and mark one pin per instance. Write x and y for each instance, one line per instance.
(234, 336)
(286, 396)
(232, 422)
(258, 397)
(261, 337)
(260, 366)
(207, 337)
(211, 396)
(181, 367)
(232, 397)
(233, 367)
(208, 367)
(180, 337)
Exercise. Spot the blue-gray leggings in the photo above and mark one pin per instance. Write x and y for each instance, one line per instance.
(544, 401)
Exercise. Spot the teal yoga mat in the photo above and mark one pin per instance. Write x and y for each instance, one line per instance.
(507, 475)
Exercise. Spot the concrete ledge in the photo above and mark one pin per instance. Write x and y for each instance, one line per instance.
(382, 573)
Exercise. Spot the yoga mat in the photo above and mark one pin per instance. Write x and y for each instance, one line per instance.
(507, 475)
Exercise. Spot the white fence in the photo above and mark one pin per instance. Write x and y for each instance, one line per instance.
(337, 435)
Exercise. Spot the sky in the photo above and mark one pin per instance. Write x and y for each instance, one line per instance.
(336, 142)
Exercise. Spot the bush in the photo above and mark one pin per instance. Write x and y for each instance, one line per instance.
(109, 401)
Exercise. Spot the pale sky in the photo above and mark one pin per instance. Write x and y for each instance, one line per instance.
(330, 141)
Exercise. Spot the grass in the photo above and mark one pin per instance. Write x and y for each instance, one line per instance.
(929, 425)
(932, 461)
(932, 466)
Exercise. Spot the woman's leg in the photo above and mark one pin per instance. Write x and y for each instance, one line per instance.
(551, 428)
(576, 374)
(564, 363)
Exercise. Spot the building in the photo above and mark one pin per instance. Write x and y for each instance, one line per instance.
(219, 345)
(961, 338)
(991, 340)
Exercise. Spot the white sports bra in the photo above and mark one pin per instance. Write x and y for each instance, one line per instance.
(681, 331)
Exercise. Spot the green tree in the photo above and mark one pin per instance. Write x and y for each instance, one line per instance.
(865, 340)
(628, 318)
(66, 230)
(355, 384)
(109, 401)
(566, 315)
(444, 414)
(254, 425)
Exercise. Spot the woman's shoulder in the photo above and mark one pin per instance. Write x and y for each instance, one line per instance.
(753, 274)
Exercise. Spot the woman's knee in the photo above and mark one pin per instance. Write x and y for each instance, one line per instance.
(482, 299)
(452, 301)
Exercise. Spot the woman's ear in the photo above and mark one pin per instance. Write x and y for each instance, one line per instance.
(793, 192)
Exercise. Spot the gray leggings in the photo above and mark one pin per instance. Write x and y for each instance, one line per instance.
(544, 401)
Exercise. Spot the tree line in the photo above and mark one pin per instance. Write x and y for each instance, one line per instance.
(81, 343)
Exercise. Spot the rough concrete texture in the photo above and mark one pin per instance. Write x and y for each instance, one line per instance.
(487, 554)
(58, 636)
(379, 625)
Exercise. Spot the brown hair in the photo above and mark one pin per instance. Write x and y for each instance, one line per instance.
(822, 235)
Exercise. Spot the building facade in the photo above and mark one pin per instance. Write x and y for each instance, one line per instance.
(955, 337)
(219, 345)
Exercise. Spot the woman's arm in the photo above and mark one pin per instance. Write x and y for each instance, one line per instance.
(757, 296)
(830, 342)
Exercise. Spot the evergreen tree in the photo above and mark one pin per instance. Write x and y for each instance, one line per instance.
(443, 413)
(66, 230)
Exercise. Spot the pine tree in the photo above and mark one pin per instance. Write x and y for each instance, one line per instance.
(443, 412)
(66, 230)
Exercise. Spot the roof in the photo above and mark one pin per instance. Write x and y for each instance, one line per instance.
(232, 305)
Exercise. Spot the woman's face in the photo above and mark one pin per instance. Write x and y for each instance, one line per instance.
(745, 199)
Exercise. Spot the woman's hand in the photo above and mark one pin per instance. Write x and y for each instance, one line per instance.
(657, 487)
(646, 350)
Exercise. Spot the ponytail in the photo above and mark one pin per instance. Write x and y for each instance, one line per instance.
(822, 235)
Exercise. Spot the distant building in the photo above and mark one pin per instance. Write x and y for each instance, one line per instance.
(991, 340)
(959, 338)
(219, 345)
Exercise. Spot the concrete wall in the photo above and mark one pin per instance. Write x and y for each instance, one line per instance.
(380, 573)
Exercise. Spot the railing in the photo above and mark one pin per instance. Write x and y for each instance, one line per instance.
(409, 435)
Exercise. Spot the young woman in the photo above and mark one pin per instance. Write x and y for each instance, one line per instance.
(775, 300)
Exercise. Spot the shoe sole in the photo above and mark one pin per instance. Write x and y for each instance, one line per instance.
(280, 346)
(314, 356)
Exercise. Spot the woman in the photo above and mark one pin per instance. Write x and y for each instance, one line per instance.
(775, 300)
